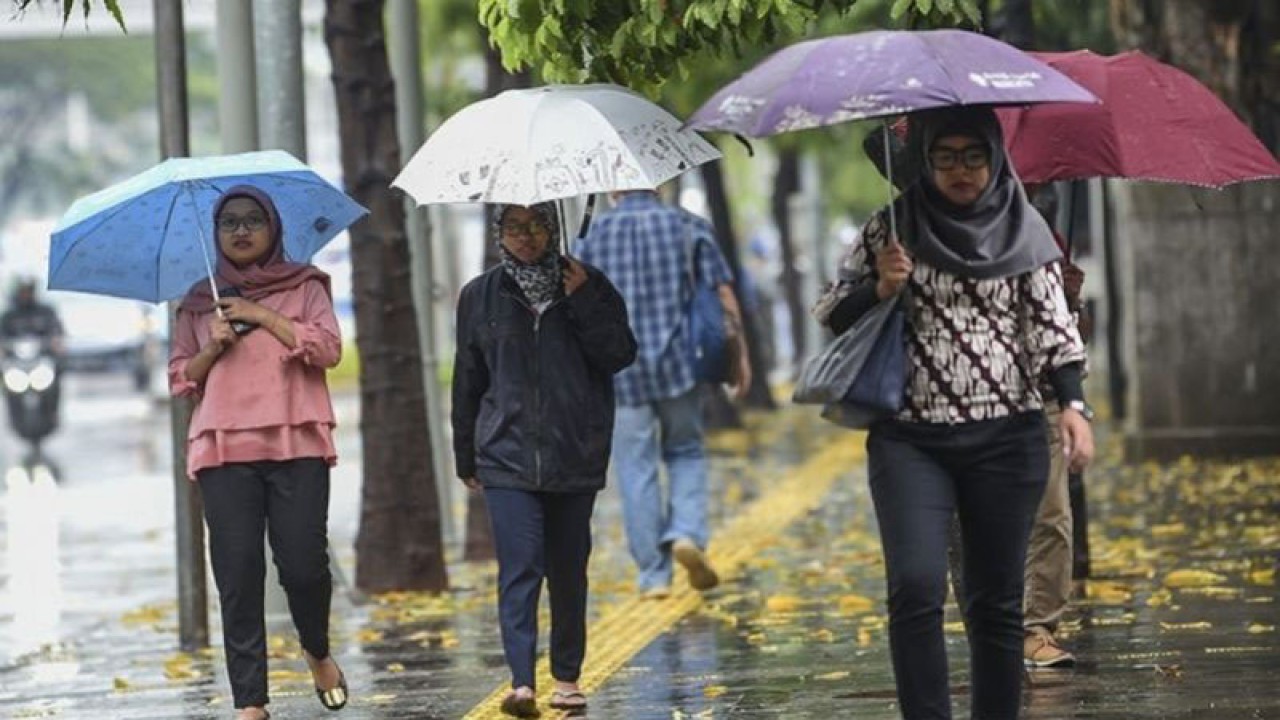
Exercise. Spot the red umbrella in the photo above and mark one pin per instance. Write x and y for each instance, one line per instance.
(1155, 123)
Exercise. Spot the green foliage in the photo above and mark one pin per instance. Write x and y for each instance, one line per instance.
(112, 7)
(452, 38)
(644, 43)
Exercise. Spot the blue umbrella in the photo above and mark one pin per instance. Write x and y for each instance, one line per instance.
(151, 237)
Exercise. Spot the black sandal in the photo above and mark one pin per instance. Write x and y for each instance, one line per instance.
(335, 698)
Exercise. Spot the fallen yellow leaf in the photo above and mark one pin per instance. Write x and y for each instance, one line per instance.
(713, 691)
(395, 667)
(1168, 530)
(1192, 578)
(837, 675)
(1198, 625)
(1263, 577)
(120, 684)
(854, 604)
(822, 635)
(1109, 593)
(782, 603)
(1225, 593)
(1259, 628)
(864, 637)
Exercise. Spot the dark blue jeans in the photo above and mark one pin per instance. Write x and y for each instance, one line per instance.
(542, 535)
(991, 474)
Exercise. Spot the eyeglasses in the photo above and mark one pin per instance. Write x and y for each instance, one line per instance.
(533, 228)
(973, 157)
(252, 223)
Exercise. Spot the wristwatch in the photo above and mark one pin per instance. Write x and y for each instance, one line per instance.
(1081, 407)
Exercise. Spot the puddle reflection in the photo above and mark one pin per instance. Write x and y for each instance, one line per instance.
(32, 544)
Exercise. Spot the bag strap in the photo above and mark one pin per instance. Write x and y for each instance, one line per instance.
(693, 246)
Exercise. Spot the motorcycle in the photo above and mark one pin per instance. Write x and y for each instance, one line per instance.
(31, 387)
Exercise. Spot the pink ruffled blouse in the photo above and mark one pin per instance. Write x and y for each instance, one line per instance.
(261, 400)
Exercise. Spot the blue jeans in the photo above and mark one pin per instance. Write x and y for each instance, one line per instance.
(542, 536)
(668, 431)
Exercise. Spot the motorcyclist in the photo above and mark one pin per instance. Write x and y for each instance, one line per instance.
(27, 317)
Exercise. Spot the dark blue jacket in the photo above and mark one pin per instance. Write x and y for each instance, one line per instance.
(533, 394)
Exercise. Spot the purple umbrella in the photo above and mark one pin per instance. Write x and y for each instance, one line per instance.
(878, 74)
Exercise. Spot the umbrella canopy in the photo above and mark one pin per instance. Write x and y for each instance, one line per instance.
(1155, 122)
(877, 74)
(151, 237)
(549, 143)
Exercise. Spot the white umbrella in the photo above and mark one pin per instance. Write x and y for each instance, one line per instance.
(548, 143)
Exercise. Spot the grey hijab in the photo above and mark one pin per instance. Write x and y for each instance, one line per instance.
(541, 281)
(1000, 235)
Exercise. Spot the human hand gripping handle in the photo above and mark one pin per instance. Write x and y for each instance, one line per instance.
(221, 336)
(575, 276)
(894, 266)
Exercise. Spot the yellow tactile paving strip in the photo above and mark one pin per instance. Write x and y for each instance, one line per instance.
(627, 629)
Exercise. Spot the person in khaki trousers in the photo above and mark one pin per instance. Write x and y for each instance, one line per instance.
(1049, 554)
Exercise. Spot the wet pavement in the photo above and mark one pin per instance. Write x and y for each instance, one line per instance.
(1180, 619)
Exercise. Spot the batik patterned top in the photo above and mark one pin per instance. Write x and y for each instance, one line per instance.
(977, 349)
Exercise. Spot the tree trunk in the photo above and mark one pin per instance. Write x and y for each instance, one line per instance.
(398, 546)
(786, 182)
(758, 395)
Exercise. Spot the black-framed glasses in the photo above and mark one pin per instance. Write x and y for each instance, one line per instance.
(533, 228)
(252, 223)
(973, 157)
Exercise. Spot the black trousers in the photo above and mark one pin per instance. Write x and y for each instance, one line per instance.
(289, 502)
(991, 474)
(542, 535)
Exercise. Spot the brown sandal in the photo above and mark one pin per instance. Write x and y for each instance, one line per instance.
(568, 700)
(521, 707)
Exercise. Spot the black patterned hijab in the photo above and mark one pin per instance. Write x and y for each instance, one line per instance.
(541, 281)
(999, 235)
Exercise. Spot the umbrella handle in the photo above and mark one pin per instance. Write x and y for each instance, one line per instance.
(586, 216)
(888, 176)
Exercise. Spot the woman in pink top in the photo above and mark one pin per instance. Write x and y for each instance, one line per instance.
(261, 438)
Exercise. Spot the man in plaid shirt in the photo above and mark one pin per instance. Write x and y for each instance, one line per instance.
(646, 248)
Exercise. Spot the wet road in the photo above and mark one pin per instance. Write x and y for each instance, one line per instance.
(1180, 621)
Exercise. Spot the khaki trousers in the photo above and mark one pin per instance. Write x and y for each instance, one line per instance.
(1048, 568)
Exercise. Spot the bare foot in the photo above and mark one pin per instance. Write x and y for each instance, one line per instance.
(252, 713)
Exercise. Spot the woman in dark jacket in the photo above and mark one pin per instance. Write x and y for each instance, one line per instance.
(988, 319)
(539, 339)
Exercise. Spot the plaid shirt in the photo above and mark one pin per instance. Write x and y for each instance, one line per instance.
(645, 248)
